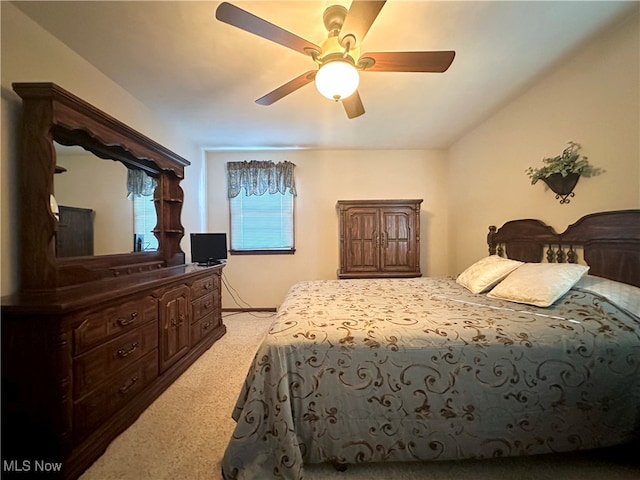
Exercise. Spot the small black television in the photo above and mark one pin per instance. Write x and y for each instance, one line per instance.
(208, 248)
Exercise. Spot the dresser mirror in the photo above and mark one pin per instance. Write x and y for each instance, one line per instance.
(97, 214)
(53, 120)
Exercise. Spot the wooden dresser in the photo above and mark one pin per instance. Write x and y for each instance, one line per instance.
(89, 341)
(79, 366)
(379, 238)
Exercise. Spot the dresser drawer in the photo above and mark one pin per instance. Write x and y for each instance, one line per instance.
(203, 327)
(96, 408)
(100, 363)
(99, 325)
(204, 285)
(203, 306)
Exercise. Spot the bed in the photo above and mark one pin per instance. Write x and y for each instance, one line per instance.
(425, 369)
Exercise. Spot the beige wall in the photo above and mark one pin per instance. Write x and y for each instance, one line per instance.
(323, 178)
(30, 54)
(592, 98)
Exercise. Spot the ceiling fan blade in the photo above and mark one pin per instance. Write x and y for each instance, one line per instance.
(289, 87)
(437, 62)
(248, 22)
(353, 105)
(361, 15)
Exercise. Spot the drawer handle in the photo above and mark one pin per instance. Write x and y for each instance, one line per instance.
(125, 388)
(208, 285)
(179, 321)
(206, 326)
(123, 322)
(122, 353)
(207, 304)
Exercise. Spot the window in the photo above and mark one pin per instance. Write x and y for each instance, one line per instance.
(261, 198)
(262, 222)
(144, 221)
(140, 187)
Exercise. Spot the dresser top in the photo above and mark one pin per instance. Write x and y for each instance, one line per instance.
(66, 299)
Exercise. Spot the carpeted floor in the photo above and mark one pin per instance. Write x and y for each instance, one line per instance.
(183, 434)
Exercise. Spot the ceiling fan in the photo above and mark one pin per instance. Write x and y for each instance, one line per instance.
(338, 58)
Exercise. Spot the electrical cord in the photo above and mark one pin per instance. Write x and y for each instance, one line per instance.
(241, 302)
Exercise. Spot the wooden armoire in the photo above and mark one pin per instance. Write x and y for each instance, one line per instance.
(75, 232)
(88, 342)
(379, 238)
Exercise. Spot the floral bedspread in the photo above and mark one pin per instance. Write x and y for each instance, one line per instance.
(420, 369)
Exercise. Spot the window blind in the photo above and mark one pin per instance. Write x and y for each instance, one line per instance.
(144, 221)
(262, 222)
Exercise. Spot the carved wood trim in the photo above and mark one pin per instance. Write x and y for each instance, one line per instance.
(71, 117)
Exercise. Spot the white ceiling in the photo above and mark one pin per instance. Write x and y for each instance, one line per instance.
(203, 76)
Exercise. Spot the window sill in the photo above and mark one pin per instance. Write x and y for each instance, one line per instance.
(289, 251)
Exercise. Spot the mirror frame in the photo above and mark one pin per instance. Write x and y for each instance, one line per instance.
(50, 113)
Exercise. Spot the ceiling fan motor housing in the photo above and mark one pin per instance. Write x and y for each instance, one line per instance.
(333, 17)
(332, 49)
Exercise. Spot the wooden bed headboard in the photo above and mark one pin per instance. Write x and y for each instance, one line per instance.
(610, 243)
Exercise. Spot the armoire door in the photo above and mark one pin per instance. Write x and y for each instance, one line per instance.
(398, 240)
(362, 237)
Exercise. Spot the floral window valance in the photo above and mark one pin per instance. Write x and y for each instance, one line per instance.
(139, 183)
(260, 177)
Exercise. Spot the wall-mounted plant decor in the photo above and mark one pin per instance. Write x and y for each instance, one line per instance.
(561, 173)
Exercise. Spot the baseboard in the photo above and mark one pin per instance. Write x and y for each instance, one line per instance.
(259, 309)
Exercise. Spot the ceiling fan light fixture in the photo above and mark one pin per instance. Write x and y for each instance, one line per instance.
(337, 59)
(337, 79)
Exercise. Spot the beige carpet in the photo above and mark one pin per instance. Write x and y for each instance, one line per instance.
(183, 434)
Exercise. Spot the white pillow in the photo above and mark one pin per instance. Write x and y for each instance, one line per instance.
(539, 284)
(626, 297)
(486, 273)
